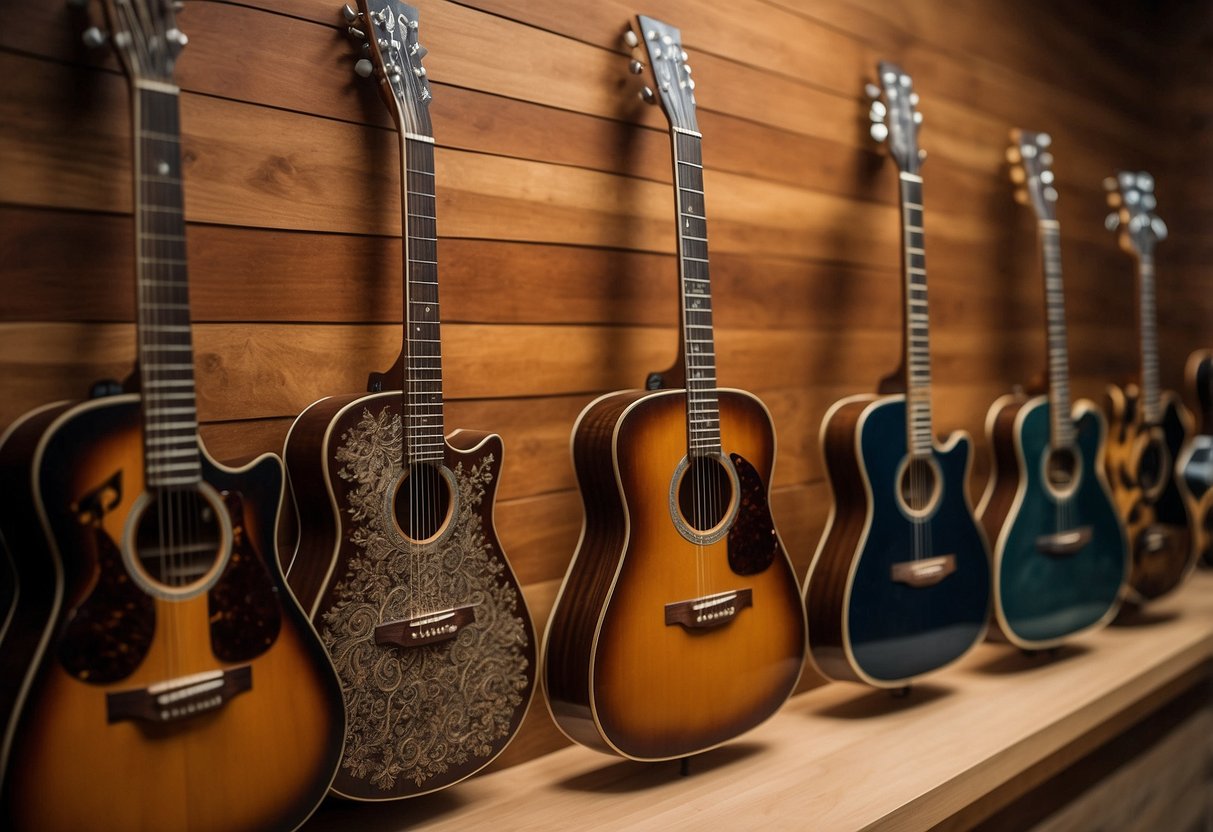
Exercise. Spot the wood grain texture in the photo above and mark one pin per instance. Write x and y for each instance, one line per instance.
(557, 267)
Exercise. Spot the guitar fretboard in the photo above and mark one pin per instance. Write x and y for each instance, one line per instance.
(1055, 320)
(1148, 321)
(917, 344)
(166, 358)
(423, 403)
(703, 409)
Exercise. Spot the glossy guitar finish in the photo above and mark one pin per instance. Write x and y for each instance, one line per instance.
(1153, 502)
(1148, 426)
(398, 562)
(248, 755)
(420, 717)
(1196, 462)
(618, 676)
(863, 624)
(1060, 551)
(1046, 593)
(679, 624)
(900, 583)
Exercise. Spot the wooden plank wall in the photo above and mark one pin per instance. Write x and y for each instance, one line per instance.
(555, 212)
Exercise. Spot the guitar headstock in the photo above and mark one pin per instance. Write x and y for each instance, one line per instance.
(895, 116)
(388, 31)
(662, 45)
(1131, 195)
(144, 33)
(1032, 171)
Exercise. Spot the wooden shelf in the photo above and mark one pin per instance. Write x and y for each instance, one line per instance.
(959, 747)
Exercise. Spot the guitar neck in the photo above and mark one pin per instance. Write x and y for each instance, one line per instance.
(1148, 324)
(703, 411)
(1049, 233)
(423, 402)
(165, 350)
(917, 342)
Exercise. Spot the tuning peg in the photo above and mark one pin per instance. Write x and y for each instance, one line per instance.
(348, 12)
(904, 80)
(1112, 221)
(871, 90)
(1125, 178)
(355, 32)
(1109, 183)
(1018, 176)
(630, 40)
(879, 132)
(364, 68)
(1046, 176)
(418, 50)
(636, 67)
(877, 112)
(913, 99)
(1114, 199)
(1021, 196)
(1051, 194)
(1028, 151)
(94, 37)
(1014, 157)
(917, 117)
(1046, 159)
(1132, 197)
(1145, 181)
(648, 96)
(1159, 228)
(1044, 139)
(1149, 202)
(922, 154)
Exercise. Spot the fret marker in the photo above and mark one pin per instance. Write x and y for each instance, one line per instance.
(162, 168)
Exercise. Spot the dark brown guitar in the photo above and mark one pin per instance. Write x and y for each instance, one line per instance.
(1148, 427)
(398, 560)
(1196, 461)
(679, 624)
(173, 681)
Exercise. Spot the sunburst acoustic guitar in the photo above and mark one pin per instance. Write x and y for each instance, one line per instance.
(679, 624)
(398, 560)
(1060, 552)
(1148, 426)
(900, 583)
(174, 684)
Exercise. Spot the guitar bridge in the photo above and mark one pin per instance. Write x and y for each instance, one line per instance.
(178, 699)
(1064, 543)
(926, 572)
(425, 629)
(708, 611)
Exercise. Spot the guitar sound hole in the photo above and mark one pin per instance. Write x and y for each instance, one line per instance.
(179, 537)
(919, 486)
(1061, 468)
(705, 494)
(1151, 466)
(422, 504)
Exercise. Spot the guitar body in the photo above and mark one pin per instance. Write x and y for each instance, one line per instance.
(619, 678)
(419, 717)
(1060, 554)
(247, 741)
(863, 624)
(1153, 502)
(1196, 462)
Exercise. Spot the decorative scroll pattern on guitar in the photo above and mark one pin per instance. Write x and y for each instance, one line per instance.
(430, 708)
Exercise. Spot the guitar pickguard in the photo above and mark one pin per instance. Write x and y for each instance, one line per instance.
(752, 538)
(416, 712)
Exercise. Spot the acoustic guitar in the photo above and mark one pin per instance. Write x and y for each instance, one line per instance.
(900, 583)
(679, 625)
(175, 684)
(1148, 426)
(398, 560)
(1196, 461)
(1060, 552)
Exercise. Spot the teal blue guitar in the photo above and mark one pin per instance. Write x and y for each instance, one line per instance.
(900, 585)
(1060, 550)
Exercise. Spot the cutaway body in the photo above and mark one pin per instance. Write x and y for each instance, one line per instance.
(890, 597)
(157, 710)
(1059, 547)
(432, 640)
(661, 644)
(1153, 502)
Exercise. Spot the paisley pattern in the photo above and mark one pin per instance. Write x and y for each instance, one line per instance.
(416, 712)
